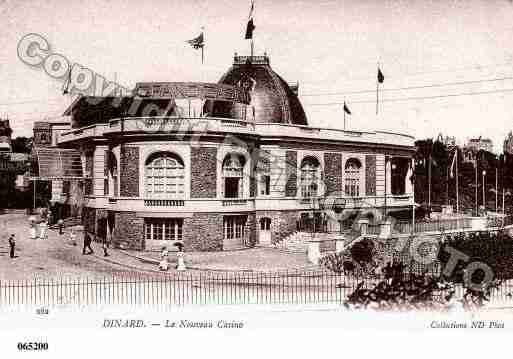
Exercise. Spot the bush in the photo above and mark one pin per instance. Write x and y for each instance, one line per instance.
(415, 292)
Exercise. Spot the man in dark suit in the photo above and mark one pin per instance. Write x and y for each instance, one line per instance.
(12, 244)
(87, 243)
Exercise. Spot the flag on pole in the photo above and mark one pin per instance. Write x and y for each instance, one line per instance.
(251, 26)
(381, 78)
(346, 109)
(454, 159)
(197, 42)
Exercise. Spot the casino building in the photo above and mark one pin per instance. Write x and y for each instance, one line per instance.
(218, 166)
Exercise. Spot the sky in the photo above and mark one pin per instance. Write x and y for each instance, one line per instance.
(442, 49)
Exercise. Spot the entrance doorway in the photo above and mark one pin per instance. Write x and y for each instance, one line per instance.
(265, 231)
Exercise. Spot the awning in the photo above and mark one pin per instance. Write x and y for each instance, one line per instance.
(57, 164)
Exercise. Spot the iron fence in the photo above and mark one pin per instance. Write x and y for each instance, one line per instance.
(403, 227)
(223, 288)
(214, 288)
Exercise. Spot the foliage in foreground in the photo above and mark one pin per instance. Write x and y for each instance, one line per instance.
(416, 292)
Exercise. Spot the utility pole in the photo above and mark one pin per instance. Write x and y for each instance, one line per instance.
(429, 184)
(457, 185)
(475, 167)
(484, 192)
(496, 189)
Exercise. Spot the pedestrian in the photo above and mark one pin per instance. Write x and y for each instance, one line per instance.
(72, 237)
(42, 228)
(164, 263)
(87, 243)
(60, 223)
(105, 247)
(12, 244)
(33, 227)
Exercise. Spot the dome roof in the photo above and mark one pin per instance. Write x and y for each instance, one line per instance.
(272, 99)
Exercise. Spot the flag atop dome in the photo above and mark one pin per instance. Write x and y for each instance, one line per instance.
(251, 26)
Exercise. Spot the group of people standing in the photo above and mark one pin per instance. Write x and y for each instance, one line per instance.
(39, 230)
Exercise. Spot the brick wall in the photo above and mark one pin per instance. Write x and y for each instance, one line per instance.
(203, 232)
(129, 172)
(291, 173)
(128, 231)
(88, 183)
(333, 172)
(250, 230)
(203, 172)
(370, 175)
(89, 219)
(252, 184)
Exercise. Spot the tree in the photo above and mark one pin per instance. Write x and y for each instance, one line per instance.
(22, 144)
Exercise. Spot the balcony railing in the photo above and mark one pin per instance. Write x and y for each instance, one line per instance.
(164, 202)
(233, 202)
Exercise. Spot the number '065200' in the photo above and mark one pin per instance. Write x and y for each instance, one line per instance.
(32, 346)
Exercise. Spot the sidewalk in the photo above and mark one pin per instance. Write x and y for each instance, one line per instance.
(246, 260)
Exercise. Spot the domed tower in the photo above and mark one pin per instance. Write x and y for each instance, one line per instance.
(272, 99)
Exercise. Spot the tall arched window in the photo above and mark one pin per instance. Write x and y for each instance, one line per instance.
(310, 176)
(165, 176)
(352, 177)
(113, 173)
(233, 174)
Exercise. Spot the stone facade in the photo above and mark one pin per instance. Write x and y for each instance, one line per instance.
(333, 172)
(250, 230)
(203, 172)
(88, 183)
(129, 172)
(291, 173)
(128, 231)
(203, 232)
(89, 219)
(370, 175)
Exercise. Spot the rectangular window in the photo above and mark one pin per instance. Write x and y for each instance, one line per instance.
(265, 185)
(352, 187)
(234, 227)
(231, 187)
(163, 229)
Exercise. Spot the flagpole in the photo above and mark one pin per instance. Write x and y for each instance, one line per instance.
(344, 110)
(457, 188)
(475, 166)
(496, 188)
(203, 46)
(429, 185)
(377, 93)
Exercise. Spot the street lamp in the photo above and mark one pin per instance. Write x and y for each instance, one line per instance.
(484, 194)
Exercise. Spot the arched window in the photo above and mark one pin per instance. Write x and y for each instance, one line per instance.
(165, 176)
(310, 176)
(112, 174)
(233, 173)
(352, 177)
